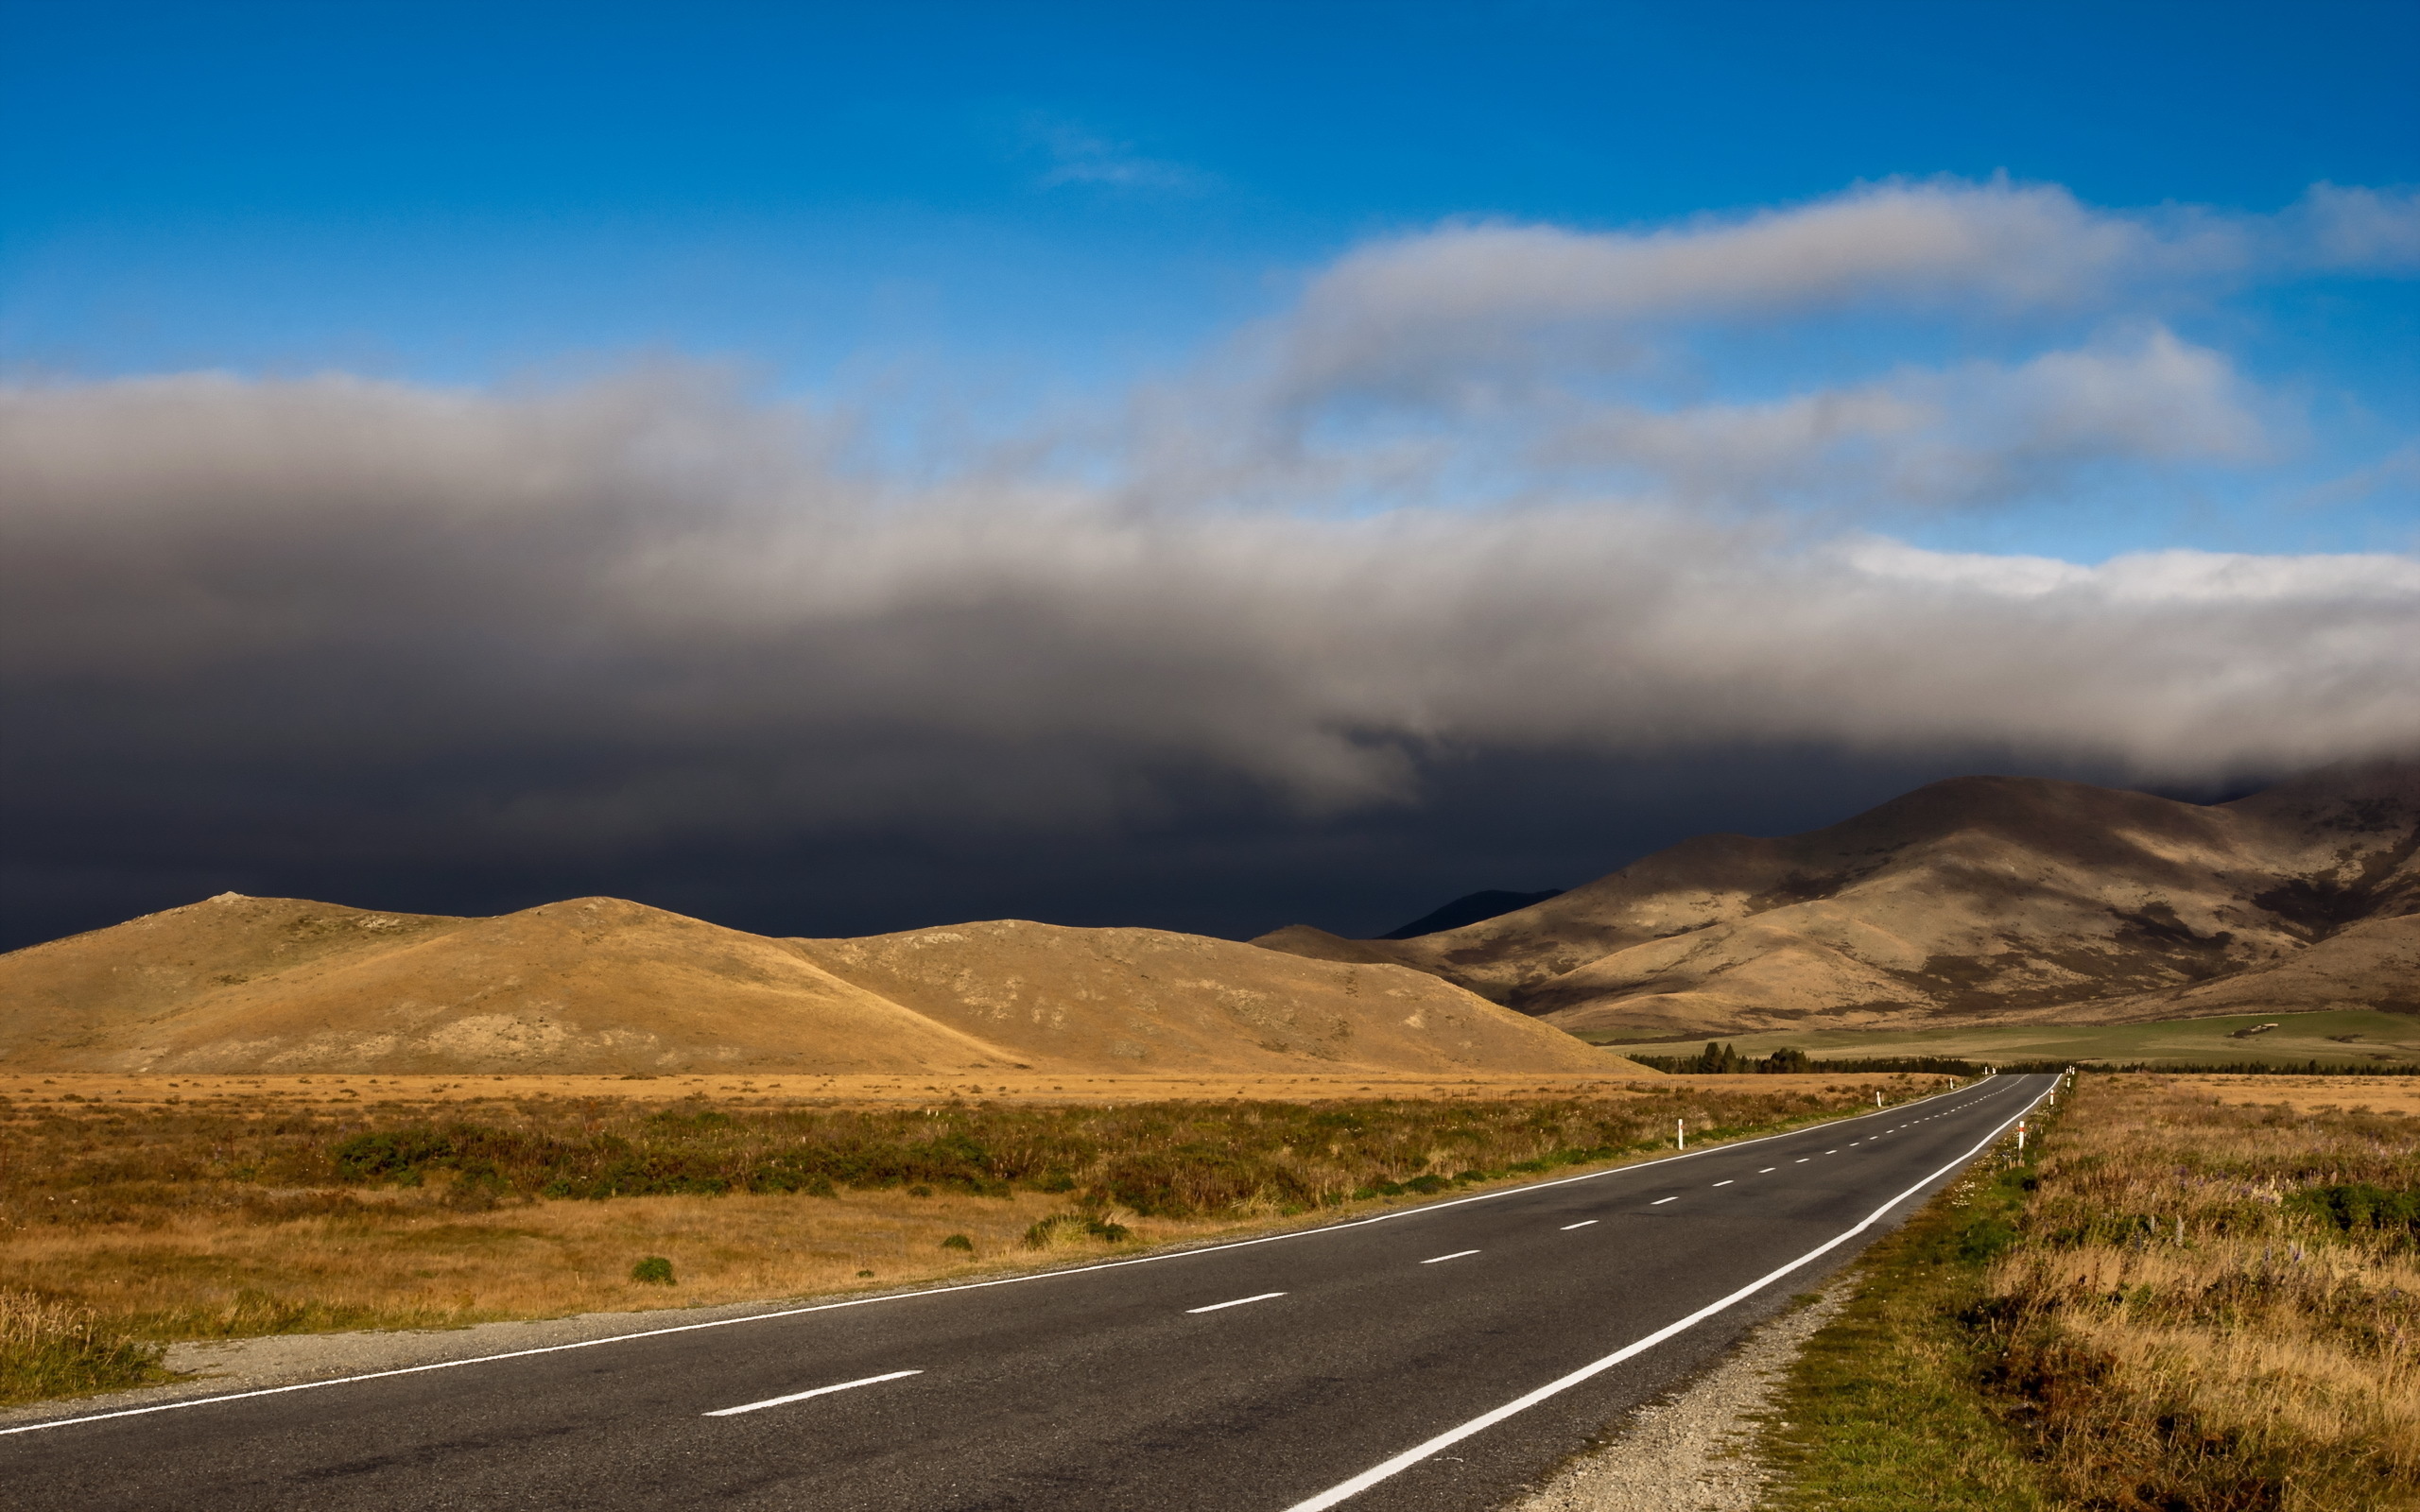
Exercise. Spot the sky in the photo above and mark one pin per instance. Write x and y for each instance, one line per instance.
(840, 469)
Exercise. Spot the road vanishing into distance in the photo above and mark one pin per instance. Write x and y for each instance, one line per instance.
(1432, 1359)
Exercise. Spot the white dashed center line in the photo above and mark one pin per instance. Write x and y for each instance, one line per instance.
(1660, 1201)
(1237, 1302)
(1724, 1183)
(801, 1395)
(1567, 1228)
(1455, 1255)
(1769, 1170)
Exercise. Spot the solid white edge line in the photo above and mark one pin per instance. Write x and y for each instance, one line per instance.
(1237, 1302)
(801, 1395)
(963, 1286)
(1488, 1420)
(1455, 1255)
(1583, 1224)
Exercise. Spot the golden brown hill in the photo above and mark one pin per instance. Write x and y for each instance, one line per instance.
(1148, 999)
(600, 986)
(590, 986)
(1980, 898)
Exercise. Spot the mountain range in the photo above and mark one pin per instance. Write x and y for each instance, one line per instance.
(602, 986)
(1975, 900)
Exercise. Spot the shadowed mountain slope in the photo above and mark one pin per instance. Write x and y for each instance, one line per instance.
(599, 986)
(1976, 898)
(1469, 909)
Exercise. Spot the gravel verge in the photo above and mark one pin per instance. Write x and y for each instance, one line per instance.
(217, 1367)
(1693, 1452)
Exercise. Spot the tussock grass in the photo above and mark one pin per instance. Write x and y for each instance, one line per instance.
(2184, 1304)
(2215, 1306)
(54, 1349)
(220, 1218)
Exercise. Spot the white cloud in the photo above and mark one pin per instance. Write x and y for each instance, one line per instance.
(1466, 293)
(1979, 432)
(2354, 229)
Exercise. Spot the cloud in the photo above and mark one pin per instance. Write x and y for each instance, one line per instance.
(1398, 312)
(413, 626)
(1481, 292)
(648, 610)
(1079, 157)
(1982, 433)
(2352, 229)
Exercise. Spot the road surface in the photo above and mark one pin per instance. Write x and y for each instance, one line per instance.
(1433, 1359)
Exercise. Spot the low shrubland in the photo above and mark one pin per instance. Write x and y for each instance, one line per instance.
(2180, 1304)
(176, 1221)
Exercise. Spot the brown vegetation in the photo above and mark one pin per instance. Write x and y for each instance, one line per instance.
(234, 1213)
(2217, 1306)
(2179, 1302)
(2308, 1094)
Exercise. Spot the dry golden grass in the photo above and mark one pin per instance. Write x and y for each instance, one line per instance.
(770, 1090)
(600, 986)
(180, 1208)
(200, 1276)
(2186, 1327)
(2357, 1095)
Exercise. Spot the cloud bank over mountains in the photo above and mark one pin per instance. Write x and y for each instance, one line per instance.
(1482, 487)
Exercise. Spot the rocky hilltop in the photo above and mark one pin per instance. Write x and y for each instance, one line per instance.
(601, 985)
(1978, 899)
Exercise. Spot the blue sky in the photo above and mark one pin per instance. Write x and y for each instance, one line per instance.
(1019, 200)
(612, 446)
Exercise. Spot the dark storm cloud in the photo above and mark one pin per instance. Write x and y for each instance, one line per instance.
(338, 628)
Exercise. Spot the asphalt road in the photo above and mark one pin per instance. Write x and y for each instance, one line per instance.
(1434, 1358)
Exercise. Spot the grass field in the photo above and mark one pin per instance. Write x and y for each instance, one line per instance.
(2186, 1300)
(135, 1211)
(2353, 1037)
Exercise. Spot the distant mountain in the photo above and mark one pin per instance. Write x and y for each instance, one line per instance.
(1470, 908)
(1978, 899)
(598, 985)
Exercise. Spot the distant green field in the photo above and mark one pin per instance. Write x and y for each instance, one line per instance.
(2346, 1038)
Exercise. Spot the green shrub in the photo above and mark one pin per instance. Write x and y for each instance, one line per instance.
(653, 1271)
(959, 1241)
(2358, 1205)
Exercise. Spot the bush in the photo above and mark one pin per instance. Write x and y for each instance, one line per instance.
(959, 1241)
(2355, 1206)
(653, 1271)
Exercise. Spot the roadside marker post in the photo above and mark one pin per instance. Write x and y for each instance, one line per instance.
(1680, 1133)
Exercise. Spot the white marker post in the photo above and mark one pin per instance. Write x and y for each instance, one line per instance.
(1680, 1133)
(2021, 1137)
